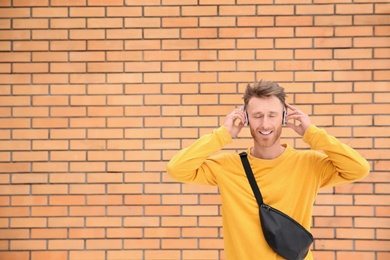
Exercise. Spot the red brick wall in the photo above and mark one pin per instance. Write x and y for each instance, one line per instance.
(96, 96)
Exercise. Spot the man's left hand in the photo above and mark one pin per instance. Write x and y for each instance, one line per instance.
(297, 115)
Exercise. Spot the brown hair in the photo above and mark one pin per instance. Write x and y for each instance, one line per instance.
(264, 89)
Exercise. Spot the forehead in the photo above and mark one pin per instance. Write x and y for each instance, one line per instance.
(264, 105)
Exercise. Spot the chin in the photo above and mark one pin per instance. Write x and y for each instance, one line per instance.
(275, 138)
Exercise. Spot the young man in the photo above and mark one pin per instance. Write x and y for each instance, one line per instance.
(288, 179)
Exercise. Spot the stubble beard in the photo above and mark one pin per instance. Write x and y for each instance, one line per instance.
(268, 142)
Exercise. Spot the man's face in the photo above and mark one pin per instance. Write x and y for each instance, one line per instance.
(265, 120)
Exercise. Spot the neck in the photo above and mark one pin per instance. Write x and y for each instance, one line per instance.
(267, 153)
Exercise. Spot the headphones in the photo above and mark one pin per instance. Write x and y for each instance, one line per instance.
(284, 120)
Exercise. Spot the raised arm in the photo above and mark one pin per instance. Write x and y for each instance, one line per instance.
(342, 164)
(194, 164)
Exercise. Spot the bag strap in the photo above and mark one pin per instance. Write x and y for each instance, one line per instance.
(251, 178)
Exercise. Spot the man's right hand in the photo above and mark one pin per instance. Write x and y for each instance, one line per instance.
(234, 122)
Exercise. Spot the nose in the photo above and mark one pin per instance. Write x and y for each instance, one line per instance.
(265, 122)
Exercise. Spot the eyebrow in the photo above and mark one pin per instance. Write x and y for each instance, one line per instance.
(261, 113)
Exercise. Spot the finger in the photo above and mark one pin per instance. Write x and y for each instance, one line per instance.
(295, 117)
(290, 107)
(292, 126)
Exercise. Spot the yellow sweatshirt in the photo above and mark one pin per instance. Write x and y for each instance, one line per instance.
(289, 183)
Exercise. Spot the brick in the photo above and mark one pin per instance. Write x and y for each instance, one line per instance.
(53, 56)
(179, 44)
(333, 20)
(355, 255)
(50, 35)
(86, 233)
(14, 12)
(124, 11)
(14, 255)
(275, 32)
(381, 53)
(381, 30)
(5, 68)
(216, 21)
(352, 53)
(201, 254)
(179, 22)
(66, 244)
(334, 245)
(352, 75)
(49, 167)
(370, 19)
(15, 56)
(28, 223)
(28, 245)
(86, 255)
(15, 145)
(294, 21)
(30, 90)
(14, 212)
(6, 23)
(49, 211)
(47, 78)
(293, 65)
(32, 46)
(102, 3)
(67, 222)
(142, 22)
(104, 22)
(49, 122)
(323, 254)
(74, 3)
(179, 244)
(86, 11)
(58, 255)
(373, 64)
(381, 75)
(364, 199)
(198, 33)
(237, 10)
(163, 254)
(124, 254)
(234, 32)
(372, 245)
(255, 21)
(381, 142)
(198, 10)
(90, 34)
(141, 244)
(354, 31)
(315, 9)
(15, 123)
(87, 56)
(370, 42)
(372, 108)
(283, 43)
(67, 23)
(353, 98)
(15, 79)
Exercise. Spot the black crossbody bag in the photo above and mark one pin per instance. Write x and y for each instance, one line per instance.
(283, 234)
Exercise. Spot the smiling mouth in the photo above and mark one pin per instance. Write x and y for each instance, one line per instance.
(265, 133)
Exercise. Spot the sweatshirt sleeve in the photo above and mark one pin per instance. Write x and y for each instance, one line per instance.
(194, 164)
(342, 164)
